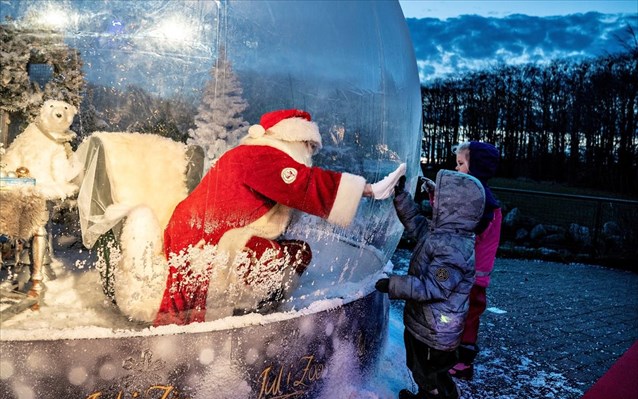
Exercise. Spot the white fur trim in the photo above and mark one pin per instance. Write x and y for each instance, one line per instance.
(256, 131)
(140, 276)
(296, 129)
(146, 169)
(271, 225)
(226, 290)
(347, 201)
(297, 150)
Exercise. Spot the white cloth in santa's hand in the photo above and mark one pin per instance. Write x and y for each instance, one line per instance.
(384, 188)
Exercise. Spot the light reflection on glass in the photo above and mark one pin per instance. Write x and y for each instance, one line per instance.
(52, 17)
(173, 31)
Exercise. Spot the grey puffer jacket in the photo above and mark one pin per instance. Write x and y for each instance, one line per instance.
(441, 271)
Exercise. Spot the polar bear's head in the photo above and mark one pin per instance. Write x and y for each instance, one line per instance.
(55, 118)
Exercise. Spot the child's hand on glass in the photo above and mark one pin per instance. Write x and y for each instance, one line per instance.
(383, 285)
(426, 185)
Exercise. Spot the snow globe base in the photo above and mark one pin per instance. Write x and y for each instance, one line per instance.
(308, 348)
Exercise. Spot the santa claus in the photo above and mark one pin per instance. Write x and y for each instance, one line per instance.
(241, 208)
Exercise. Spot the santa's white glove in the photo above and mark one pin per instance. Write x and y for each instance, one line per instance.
(384, 188)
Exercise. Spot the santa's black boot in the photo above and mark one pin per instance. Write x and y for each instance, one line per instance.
(298, 254)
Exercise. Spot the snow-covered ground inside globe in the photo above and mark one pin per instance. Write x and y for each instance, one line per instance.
(503, 371)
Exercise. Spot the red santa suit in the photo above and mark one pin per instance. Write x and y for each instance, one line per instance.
(243, 204)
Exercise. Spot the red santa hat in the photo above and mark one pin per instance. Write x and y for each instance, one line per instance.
(287, 125)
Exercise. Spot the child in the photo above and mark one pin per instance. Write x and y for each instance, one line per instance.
(439, 279)
(479, 160)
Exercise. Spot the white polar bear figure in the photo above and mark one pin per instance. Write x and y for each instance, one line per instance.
(42, 148)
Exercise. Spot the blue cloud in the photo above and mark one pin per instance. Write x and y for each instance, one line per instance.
(470, 41)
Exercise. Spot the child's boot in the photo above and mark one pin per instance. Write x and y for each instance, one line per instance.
(464, 369)
(455, 393)
(449, 391)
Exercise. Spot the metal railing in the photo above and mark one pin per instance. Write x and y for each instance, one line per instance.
(612, 224)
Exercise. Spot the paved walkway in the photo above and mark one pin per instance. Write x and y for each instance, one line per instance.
(551, 330)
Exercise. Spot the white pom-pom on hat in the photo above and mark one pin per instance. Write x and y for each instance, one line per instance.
(256, 131)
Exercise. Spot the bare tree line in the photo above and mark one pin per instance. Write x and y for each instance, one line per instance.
(566, 122)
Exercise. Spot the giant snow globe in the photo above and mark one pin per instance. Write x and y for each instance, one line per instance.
(129, 105)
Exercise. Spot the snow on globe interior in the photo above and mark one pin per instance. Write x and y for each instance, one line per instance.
(161, 92)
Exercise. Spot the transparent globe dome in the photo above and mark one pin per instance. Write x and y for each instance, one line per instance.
(202, 72)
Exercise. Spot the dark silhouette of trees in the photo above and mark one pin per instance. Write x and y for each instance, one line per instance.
(566, 122)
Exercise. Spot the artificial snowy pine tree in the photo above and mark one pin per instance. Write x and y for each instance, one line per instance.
(14, 91)
(218, 123)
(20, 95)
